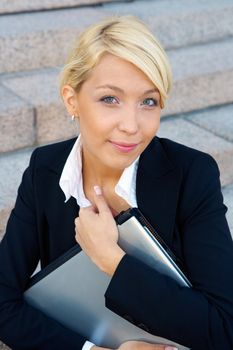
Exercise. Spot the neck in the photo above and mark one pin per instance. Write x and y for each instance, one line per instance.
(95, 173)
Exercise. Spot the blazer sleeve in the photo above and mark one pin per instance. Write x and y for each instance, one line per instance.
(200, 317)
(22, 326)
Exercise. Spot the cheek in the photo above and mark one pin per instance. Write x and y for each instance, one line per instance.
(151, 126)
(99, 128)
(95, 131)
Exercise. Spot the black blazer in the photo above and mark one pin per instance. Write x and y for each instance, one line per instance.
(178, 190)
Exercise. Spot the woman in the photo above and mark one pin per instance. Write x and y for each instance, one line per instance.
(115, 83)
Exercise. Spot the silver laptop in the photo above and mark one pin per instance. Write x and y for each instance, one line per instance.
(71, 289)
(138, 238)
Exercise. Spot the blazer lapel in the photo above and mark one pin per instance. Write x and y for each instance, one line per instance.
(157, 189)
(61, 153)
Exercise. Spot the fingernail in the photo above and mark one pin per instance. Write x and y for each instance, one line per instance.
(97, 190)
(171, 348)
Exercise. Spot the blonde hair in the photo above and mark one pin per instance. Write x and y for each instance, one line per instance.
(125, 37)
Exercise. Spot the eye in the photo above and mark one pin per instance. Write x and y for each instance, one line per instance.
(150, 102)
(110, 100)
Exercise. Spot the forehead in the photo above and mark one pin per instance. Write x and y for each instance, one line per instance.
(112, 69)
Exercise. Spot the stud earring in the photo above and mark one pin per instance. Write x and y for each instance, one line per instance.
(72, 117)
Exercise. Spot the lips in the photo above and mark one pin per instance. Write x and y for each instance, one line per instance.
(124, 147)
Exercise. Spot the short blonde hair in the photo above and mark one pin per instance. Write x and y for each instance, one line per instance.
(125, 37)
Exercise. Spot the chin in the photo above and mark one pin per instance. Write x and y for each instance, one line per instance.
(121, 164)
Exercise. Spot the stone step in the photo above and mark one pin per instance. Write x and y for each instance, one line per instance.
(176, 128)
(17, 119)
(203, 77)
(182, 23)
(15, 6)
(37, 40)
(220, 122)
(47, 119)
(228, 199)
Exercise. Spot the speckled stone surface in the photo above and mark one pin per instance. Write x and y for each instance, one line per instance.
(203, 77)
(16, 122)
(41, 90)
(192, 21)
(200, 92)
(12, 6)
(37, 40)
(43, 39)
(193, 136)
(217, 120)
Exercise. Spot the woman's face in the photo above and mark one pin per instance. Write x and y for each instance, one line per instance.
(119, 113)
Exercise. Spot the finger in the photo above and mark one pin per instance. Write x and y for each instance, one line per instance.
(100, 201)
(164, 347)
(90, 208)
(85, 212)
(77, 223)
(149, 346)
(78, 235)
(141, 345)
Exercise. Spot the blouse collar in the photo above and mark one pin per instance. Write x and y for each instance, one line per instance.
(71, 181)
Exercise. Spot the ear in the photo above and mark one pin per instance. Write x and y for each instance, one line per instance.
(70, 99)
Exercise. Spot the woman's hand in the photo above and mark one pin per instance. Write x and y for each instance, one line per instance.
(139, 345)
(97, 234)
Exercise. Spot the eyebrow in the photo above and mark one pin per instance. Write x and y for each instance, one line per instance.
(112, 87)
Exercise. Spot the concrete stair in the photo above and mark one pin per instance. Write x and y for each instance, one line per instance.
(47, 36)
(35, 37)
(15, 6)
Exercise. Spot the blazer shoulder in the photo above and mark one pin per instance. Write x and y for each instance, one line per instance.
(53, 154)
(184, 156)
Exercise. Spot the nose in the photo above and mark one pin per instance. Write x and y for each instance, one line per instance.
(129, 122)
